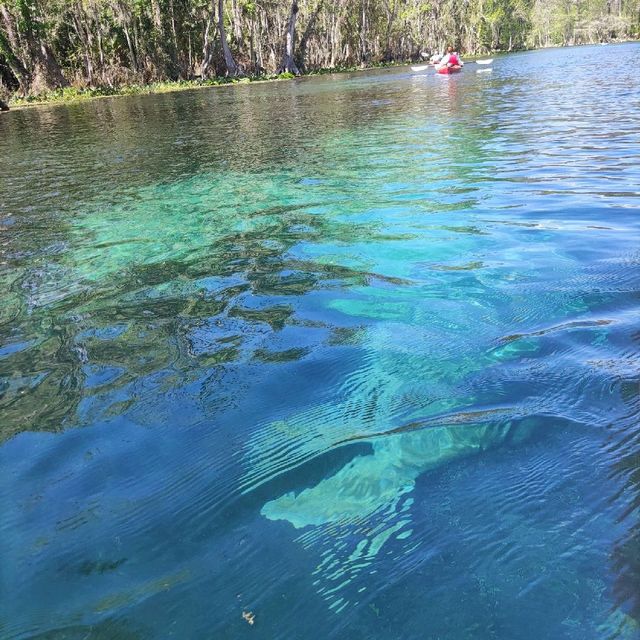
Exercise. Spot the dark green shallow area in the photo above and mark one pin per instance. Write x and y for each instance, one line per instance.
(355, 355)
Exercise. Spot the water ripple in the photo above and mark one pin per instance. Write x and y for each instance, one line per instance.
(379, 373)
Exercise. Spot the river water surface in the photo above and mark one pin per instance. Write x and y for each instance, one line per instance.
(354, 356)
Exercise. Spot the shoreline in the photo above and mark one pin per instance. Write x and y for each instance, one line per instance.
(70, 95)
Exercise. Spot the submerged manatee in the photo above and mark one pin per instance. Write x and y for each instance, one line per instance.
(370, 483)
(348, 518)
(396, 384)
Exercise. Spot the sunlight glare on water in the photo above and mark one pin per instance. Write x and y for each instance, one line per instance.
(357, 354)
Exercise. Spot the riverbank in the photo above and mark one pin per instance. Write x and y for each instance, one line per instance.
(71, 94)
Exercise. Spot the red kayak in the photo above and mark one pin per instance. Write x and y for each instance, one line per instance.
(446, 70)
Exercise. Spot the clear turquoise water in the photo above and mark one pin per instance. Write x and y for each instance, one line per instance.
(356, 354)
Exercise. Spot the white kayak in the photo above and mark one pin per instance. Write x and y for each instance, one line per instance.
(423, 67)
(487, 61)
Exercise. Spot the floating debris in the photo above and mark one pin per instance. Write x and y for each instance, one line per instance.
(249, 616)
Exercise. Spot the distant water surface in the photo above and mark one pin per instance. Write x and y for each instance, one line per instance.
(356, 355)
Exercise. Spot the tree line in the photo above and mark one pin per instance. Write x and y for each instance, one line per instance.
(47, 44)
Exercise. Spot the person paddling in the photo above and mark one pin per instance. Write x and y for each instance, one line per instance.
(451, 59)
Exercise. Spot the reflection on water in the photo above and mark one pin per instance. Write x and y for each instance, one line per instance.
(356, 354)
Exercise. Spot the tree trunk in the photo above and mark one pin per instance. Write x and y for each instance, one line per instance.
(10, 49)
(302, 49)
(232, 68)
(132, 53)
(257, 39)
(174, 31)
(157, 16)
(36, 58)
(335, 37)
(237, 21)
(207, 49)
(100, 49)
(48, 74)
(363, 32)
(83, 30)
(288, 64)
(392, 11)
(124, 18)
